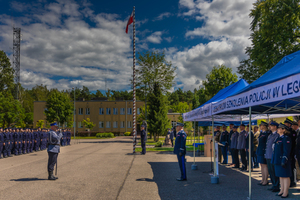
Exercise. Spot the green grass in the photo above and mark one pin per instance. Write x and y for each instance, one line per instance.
(94, 137)
(188, 148)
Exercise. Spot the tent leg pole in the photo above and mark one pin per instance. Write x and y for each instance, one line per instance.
(215, 177)
(194, 166)
(250, 152)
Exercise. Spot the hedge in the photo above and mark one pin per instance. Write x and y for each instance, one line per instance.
(127, 133)
(105, 135)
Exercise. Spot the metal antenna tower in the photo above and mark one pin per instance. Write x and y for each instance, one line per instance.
(16, 57)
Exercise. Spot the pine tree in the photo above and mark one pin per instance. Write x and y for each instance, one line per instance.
(158, 120)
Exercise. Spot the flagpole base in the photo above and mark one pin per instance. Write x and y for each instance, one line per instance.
(214, 179)
(194, 167)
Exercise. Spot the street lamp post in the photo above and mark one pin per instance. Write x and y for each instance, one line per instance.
(74, 125)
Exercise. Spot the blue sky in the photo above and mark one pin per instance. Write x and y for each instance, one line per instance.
(71, 43)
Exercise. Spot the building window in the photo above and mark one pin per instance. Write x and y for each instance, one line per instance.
(129, 124)
(101, 111)
(101, 124)
(122, 111)
(107, 124)
(108, 111)
(115, 124)
(122, 124)
(138, 111)
(129, 111)
(115, 111)
(80, 125)
(174, 123)
(80, 111)
(87, 111)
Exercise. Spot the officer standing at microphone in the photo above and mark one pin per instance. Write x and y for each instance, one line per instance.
(53, 149)
(180, 150)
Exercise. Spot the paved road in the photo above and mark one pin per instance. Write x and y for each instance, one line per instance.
(105, 169)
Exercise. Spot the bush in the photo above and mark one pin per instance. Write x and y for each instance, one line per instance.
(105, 135)
(127, 133)
(159, 144)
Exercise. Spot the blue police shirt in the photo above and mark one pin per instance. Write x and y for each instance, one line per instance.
(180, 143)
(54, 142)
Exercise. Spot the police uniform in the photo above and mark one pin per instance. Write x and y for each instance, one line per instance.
(262, 142)
(6, 151)
(293, 137)
(233, 147)
(281, 156)
(1, 142)
(180, 151)
(16, 142)
(143, 140)
(12, 141)
(217, 135)
(241, 146)
(268, 155)
(20, 133)
(229, 145)
(53, 150)
(224, 140)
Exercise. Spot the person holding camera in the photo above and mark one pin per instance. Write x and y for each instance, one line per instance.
(53, 149)
(281, 159)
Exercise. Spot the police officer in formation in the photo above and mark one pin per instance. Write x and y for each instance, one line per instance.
(18, 141)
(224, 140)
(180, 150)
(249, 134)
(233, 147)
(241, 146)
(268, 155)
(282, 159)
(293, 136)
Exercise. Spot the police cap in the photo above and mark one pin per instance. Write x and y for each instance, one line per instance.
(179, 124)
(235, 126)
(54, 124)
(295, 123)
(273, 123)
(288, 121)
(264, 123)
(283, 126)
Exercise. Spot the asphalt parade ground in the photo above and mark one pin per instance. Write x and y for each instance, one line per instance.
(106, 169)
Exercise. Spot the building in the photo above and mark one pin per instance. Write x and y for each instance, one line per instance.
(108, 116)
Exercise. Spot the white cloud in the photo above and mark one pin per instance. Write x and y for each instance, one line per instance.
(162, 16)
(56, 41)
(226, 25)
(155, 37)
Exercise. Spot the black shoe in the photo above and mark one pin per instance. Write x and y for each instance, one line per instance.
(265, 184)
(278, 194)
(275, 190)
(51, 176)
(10, 156)
(181, 179)
(5, 156)
(285, 196)
(270, 189)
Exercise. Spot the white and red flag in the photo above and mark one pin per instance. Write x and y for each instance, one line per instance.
(130, 21)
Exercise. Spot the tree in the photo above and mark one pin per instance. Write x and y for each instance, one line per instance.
(6, 74)
(11, 111)
(275, 34)
(158, 121)
(219, 78)
(248, 71)
(40, 123)
(88, 124)
(59, 107)
(154, 69)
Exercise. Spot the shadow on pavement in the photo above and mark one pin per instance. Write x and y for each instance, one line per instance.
(28, 179)
(233, 184)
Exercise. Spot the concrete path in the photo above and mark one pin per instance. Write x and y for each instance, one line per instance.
(106, 169)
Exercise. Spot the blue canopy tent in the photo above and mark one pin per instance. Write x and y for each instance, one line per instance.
(276, 92)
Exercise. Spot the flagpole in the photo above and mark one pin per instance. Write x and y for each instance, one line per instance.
(134, 99)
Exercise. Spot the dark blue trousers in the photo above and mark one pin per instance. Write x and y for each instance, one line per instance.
(24, 147)
(181, 161)
(1, 149)
(274, 179)
(52, 160)
(224, 153)
(7, 151)
(20, 147)
(232, 156)
(16, 148)
(143, 144)
(249, 159)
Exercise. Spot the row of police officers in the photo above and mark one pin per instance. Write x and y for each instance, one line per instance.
(18, 141)
(276, 147)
